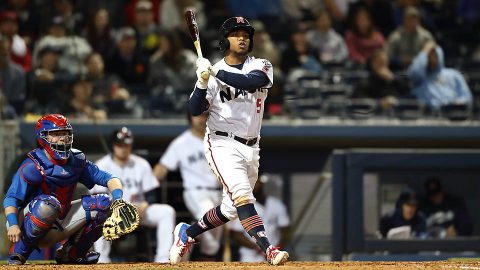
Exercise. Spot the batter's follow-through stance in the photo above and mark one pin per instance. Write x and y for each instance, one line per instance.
(234, 95)
(38, 204)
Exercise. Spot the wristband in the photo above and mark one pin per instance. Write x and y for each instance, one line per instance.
(12, 219)
(117, 194)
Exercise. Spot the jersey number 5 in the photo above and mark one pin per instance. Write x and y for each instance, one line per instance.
(259, 105)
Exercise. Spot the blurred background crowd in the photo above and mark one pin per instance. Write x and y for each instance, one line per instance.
(134, 58)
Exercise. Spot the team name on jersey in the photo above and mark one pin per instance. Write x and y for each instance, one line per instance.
(196, 157)
(226, 94)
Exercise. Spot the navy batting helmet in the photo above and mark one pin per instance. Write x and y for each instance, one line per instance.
(122, 136)
(231, 24)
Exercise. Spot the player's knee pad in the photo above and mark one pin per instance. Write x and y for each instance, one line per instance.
(96, 207)
(43, 211)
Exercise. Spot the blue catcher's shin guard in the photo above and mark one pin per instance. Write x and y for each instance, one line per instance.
(44, 210)
(75, 250)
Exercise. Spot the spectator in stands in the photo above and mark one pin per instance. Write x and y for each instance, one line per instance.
(19, 51)
(108, 89)
(81, 104)
(381, 84)
(99, 33)
(12, 83)
(382, 13)
(362, 38)
(264, 48)
(434, 84)
(339, 10)
(145, 27)
(49, 82)
(27, 17)
(73, 20)
(128, 63)
(75, 48)
(405, 219)
(172, 71)
(327, 44)
(447, 215)
(302, 10)
(276, 221)
(299, 55)
(407, 40)
(172, 16)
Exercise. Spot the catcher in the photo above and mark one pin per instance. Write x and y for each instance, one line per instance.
(38, 204)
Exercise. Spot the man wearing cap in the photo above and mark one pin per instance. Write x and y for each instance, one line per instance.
(447, 215)
(75, 48)
(137, 179)
(13, 87)
(145, 27)
(19, 52)
(127, 62)
(405, 42)
(405, 215)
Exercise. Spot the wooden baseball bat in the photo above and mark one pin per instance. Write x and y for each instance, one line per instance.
(193, 29)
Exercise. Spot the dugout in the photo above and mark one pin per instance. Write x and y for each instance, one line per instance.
(361, 178)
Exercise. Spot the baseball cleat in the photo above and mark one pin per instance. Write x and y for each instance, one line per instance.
(61, 257)
(181, 243)
(276, 256)
(16, 259)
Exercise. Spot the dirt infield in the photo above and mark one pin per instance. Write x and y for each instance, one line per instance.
(439, 265)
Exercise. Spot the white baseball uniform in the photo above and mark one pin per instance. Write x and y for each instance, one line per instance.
(238, 114)
(137, 178)
(202, 190)
(275, 217)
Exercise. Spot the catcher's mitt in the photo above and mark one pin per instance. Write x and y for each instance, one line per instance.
(124, 219)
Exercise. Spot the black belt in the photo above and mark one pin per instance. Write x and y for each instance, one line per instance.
(238, 139)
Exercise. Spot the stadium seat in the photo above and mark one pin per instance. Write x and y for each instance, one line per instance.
(361, 108)
(456, 112)
(408, 109)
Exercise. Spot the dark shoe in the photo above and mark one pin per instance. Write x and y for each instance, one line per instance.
(61, 257)
(16, 259)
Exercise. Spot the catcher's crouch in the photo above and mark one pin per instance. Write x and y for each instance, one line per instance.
(42, 191)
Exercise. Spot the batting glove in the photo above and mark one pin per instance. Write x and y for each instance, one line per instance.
(203, 63)
(201, 82)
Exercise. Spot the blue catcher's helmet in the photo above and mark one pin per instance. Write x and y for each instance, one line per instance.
(54, 122)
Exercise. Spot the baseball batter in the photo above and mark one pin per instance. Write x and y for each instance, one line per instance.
(234, 95)
(138, 178)
(202, 190)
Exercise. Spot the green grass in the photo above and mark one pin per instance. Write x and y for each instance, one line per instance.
(463, 259)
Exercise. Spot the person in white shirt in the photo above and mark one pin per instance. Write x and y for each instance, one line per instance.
(202, 190)
(137, 178)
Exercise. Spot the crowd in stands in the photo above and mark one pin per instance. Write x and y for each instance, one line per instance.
(134, 58)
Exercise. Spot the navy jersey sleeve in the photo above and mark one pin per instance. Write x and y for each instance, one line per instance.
(93, 175)
(26, 180)
(251, 81)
